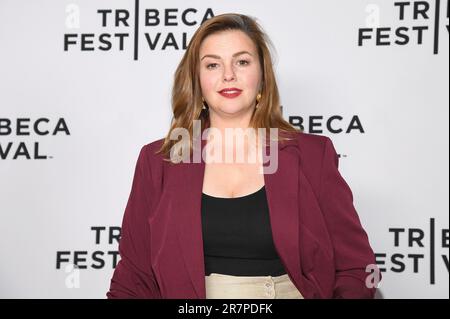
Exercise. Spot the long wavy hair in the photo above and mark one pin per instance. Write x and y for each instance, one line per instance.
(187, 104)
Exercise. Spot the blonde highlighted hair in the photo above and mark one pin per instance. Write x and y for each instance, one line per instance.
(187, 104)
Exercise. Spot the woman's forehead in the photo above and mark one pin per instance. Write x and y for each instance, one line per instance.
(232, 42)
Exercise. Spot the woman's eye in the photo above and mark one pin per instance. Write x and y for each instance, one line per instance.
(214, 65)
(209, 66)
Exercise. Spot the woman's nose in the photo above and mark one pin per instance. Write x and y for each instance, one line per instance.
(229, 74)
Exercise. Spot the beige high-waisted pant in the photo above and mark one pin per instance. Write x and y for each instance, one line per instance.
(219, 286)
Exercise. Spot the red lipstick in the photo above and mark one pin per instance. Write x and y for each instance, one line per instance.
(230, 93)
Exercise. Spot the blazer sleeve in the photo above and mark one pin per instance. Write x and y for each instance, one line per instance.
(352, 251)
(133, 276)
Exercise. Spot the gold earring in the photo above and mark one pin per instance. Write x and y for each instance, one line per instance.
(258, 98)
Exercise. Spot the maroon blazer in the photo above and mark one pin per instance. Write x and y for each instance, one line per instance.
(315, 227)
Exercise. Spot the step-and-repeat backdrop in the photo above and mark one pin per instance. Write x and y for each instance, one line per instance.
(84, 84)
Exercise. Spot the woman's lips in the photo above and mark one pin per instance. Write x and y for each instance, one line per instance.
(230, 94)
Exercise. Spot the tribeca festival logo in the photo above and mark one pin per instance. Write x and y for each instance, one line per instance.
(73, 261)
(23, 135)
(125, 28)
(96, 259)
(423, 246)
(334, 124)
(424, 25)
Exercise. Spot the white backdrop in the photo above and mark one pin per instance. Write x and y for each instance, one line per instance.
(74, 112)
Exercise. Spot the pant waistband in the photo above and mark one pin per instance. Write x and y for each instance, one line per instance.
(247, 279)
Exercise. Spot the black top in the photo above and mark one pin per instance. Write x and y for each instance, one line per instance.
(237, 236)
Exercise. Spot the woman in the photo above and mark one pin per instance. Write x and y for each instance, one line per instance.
(223, 229)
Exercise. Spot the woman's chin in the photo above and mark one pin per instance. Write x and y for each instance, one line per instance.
(232, 109)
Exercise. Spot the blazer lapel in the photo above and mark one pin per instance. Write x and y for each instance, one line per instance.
(189, 226)
(282, 197)
(282, 192)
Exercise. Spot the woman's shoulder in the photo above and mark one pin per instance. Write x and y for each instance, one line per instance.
(310, 145)
(151, 150)
(155, 144)
(150, 162)
(312, 140)
(316, 153)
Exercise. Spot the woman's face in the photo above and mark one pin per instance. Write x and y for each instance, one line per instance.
(224, 65)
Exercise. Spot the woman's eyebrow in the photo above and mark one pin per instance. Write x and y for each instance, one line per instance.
(218, 57)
